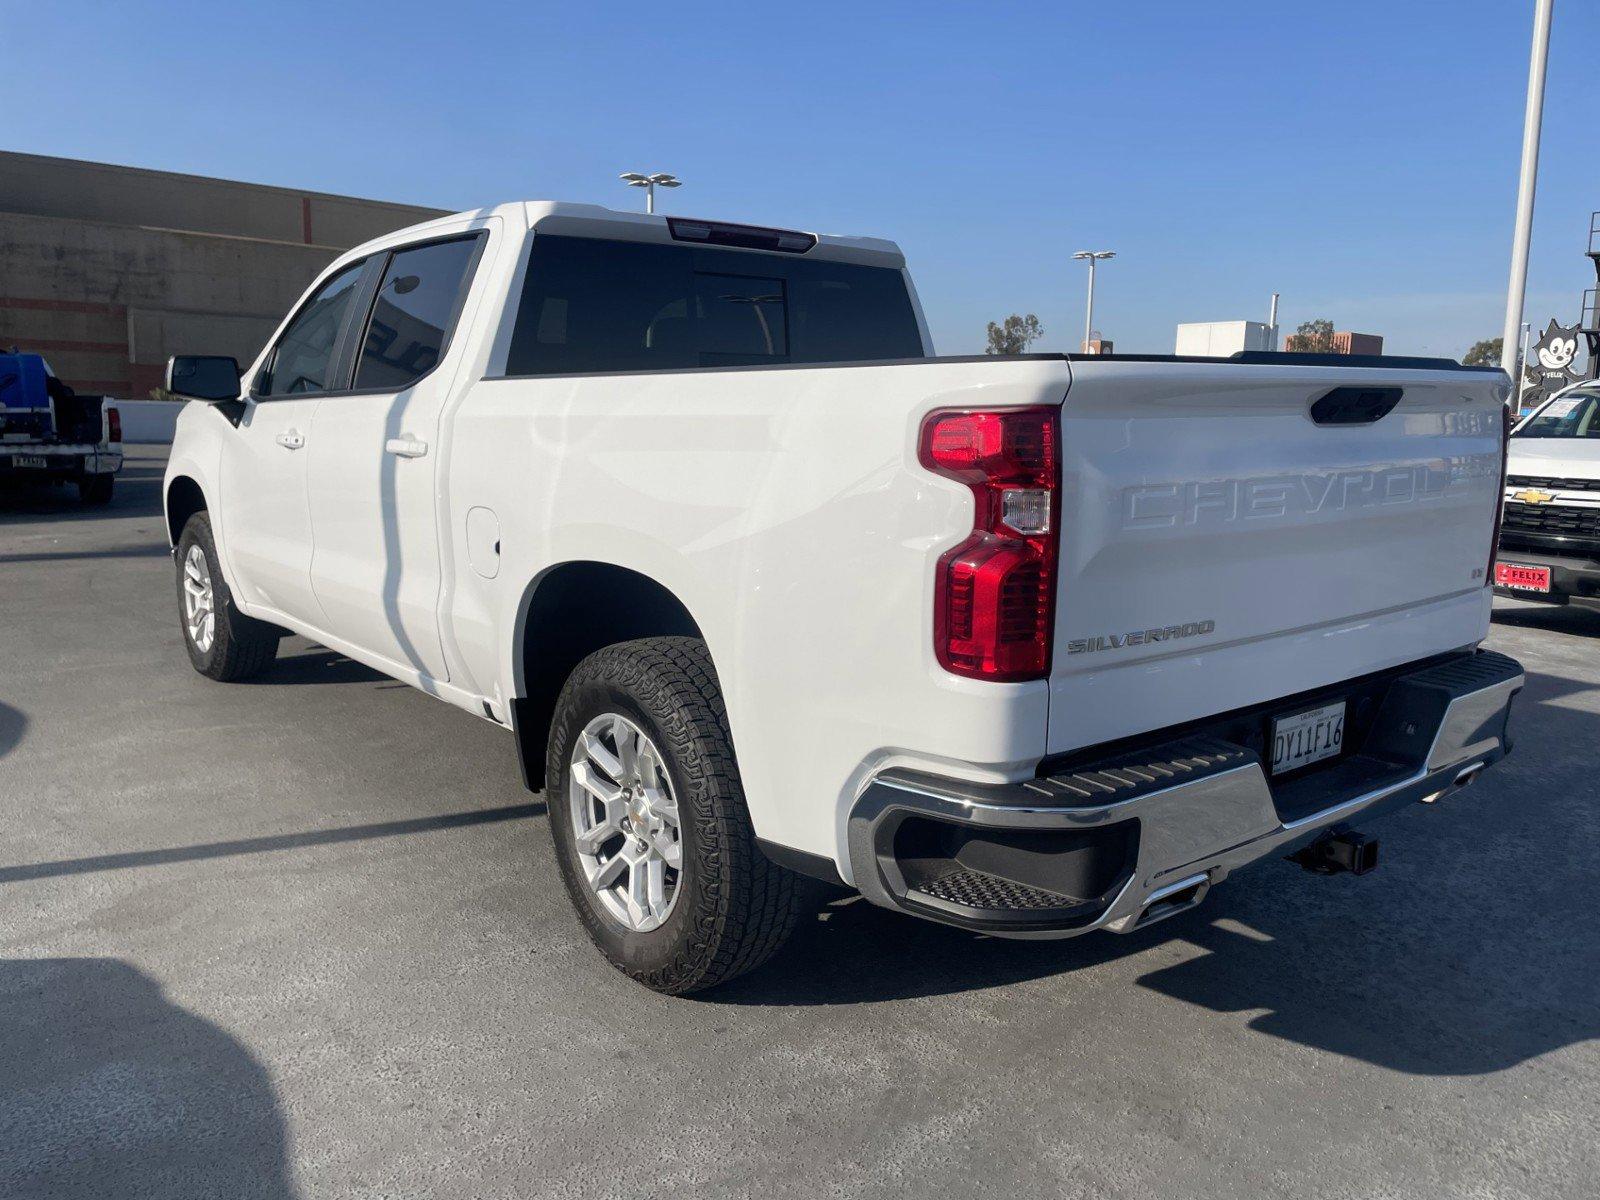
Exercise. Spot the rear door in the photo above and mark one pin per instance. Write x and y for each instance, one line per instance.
(374, 465)
(267, 524)
(1222, 546)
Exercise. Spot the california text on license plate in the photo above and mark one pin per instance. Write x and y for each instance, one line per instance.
(1307, 737)
(1522, 577)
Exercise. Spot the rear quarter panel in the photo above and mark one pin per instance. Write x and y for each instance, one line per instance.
(786, 509)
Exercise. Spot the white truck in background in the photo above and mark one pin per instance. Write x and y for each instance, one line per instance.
(48, 432)
(1550, 535)
(766, 591)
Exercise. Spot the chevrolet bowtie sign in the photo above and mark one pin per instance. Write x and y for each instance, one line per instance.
(1532, 497)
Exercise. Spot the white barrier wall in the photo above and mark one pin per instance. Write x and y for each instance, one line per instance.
(147, 420)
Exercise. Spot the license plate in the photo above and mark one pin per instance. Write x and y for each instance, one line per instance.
(1521, 577)
(29, 460)
(1307, 737)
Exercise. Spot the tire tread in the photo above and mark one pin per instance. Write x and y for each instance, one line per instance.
(748, 905)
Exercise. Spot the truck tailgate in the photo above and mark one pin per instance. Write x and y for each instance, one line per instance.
(1220, 548)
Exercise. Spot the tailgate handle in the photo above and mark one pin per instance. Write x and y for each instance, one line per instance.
(1355, 405)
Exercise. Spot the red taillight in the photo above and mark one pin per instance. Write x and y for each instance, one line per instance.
(994, 595)
(113, 425)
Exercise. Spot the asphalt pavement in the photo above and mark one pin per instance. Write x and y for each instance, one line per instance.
(304, 937)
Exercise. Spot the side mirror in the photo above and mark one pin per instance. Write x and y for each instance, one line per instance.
(208, 377)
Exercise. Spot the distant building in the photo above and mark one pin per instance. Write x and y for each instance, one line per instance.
(1342, 343)
(107, 270)
(1219, 339)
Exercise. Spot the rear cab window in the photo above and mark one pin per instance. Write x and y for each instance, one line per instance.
(591, 305)
(414, 312)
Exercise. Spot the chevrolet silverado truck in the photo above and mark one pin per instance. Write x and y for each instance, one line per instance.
(767, 593)
(1550, 534)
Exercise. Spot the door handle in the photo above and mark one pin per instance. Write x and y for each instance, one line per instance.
(406, 447)
(291, 439)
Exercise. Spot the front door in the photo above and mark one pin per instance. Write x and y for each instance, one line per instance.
(267, 535)
(267, 539)
(374, 462)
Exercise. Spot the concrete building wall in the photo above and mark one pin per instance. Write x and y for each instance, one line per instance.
(108, 270)
(88, 191)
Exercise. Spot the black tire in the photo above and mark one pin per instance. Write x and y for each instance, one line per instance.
(241, 646)
(734, 907)
(96, 489)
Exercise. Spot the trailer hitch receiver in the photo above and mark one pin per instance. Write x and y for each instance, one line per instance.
(1341, 849)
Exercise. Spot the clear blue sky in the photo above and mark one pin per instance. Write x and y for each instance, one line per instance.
(1358, 157)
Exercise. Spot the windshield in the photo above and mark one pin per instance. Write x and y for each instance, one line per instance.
(1575, 415)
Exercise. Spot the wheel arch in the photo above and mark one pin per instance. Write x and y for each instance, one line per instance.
(567, 612)
(182, 498)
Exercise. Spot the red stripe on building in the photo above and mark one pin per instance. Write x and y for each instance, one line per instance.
(76, 306)
(36, 345)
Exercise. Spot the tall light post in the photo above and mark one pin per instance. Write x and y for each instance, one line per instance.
(650, 183)
(1532, 118)
(1092, 257)
(1519, 368)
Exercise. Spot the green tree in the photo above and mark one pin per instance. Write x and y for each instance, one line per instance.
(1013, 335)
(1485, 353)
(1311, 337)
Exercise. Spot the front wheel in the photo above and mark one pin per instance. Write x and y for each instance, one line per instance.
(222, 642)
(649, 821)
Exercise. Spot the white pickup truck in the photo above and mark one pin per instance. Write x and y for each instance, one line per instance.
(766, 591)
(1550, 536)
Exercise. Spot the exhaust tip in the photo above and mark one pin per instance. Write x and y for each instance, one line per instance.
(1173, 899)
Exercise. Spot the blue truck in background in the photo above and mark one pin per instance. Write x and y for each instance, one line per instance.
(49, 432)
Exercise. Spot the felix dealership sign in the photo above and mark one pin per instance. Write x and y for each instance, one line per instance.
(1551, 364)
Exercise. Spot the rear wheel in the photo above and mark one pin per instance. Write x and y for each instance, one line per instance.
(96, 489)
(649, 821)
(223, 643)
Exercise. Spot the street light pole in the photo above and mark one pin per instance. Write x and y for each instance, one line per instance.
(1088, 315)
(1533, 116)
(1520, 367)
(1092, 257)
(650, 183)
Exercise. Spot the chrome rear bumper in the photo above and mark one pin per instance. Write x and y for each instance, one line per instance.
(1148, 833)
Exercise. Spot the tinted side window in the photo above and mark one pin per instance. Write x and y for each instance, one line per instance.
(412, 315)
(304, 354)
(591, 305)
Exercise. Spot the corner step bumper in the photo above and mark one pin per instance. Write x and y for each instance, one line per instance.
(1120, 843)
